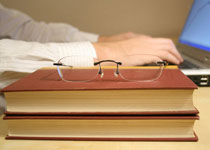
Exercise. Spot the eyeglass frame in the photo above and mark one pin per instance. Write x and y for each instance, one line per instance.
(160, 63)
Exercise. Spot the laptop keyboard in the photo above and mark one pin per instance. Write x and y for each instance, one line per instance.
(188, 65)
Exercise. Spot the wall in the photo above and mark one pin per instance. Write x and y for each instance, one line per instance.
(153, 17)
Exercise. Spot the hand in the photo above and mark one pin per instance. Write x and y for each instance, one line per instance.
(139, 50)
(118, 37)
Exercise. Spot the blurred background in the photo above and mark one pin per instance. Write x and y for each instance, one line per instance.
(106, 17)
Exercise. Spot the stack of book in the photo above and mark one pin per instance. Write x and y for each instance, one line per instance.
(41, 106)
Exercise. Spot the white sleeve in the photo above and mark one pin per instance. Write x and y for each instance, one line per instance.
(19, 26)
(25, 57)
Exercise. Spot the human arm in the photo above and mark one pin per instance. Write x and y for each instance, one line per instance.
(17, 25)
(26, 57)
(17, 58)
(118, 37)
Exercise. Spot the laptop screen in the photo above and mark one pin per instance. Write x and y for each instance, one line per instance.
(196, 32)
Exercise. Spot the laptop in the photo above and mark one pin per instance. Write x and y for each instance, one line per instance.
(194, 43)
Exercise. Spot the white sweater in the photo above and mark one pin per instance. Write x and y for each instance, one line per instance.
(19, 26)
(21, 55)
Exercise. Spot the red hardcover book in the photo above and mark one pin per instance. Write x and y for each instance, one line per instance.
(102, 128)
(43, 93)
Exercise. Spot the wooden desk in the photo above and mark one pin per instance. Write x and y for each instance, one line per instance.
(202, 128)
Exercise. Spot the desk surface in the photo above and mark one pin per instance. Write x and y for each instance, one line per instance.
(202, 128)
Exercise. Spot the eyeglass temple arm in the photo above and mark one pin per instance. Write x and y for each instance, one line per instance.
(60, 64)
(57, 64)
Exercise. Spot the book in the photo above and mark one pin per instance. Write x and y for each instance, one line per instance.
(44, 93)
(102, 128)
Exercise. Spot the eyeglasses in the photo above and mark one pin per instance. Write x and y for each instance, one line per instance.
(69, 71)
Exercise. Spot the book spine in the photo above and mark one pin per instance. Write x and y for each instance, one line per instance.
(195, 138)
(194, 117)
(191, 112)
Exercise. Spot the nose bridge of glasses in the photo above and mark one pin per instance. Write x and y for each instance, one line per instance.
(116, 73)
(99, 62)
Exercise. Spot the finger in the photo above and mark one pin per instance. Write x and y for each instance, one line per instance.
(164, 55)
(129, 35)
(169, 45)
(148, 59)
(143, 59)
(169, 49)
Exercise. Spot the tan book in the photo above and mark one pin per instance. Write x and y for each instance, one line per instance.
(43, 93)
(120, 128)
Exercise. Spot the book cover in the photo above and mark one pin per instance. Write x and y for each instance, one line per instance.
(49, 80)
